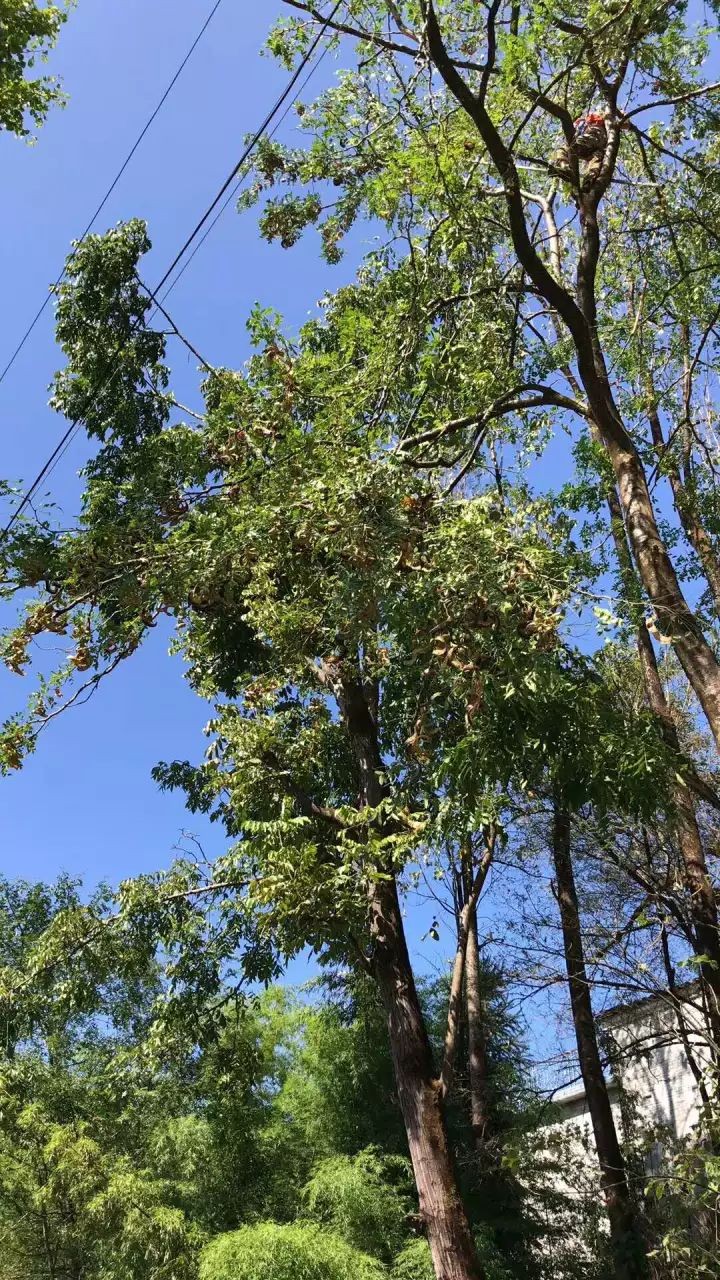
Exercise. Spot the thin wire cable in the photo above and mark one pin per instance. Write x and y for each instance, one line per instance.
(65, 442)
(252, 144)
(247, 152)
(236, 189)
(144, 131)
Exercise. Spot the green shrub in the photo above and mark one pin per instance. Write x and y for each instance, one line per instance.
(414, 1263)
(355, 1197)
(298, 1252)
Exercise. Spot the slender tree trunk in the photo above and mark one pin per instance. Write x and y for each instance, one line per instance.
(703, 905)
(477, 1041)
(470, 887)
(626, 1238)
(451, 1244)
(695, 531)
(681, 1022)
(654, 565)
(419, 1089)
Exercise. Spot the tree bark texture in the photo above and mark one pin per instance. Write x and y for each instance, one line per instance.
(477, 1041)
(451, 1244)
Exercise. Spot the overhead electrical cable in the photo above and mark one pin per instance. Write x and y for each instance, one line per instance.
(207, 232)
(143, 132)
(251, 146)
(234, 192)
(75, 424)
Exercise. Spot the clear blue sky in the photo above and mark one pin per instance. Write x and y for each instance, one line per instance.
(86, 802)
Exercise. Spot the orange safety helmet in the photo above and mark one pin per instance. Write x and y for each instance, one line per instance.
(592, 118)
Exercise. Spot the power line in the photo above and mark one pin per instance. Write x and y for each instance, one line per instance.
(229, 182)
(235, 190)
(143, 132)
(232, 177)
(209, 229)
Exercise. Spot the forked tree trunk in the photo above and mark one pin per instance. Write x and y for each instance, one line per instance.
(628, 1251)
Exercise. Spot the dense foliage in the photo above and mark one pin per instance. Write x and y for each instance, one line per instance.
(279, 1144)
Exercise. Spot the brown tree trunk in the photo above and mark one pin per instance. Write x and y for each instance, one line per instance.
(703, 905)
(695, 531)
(477, 1041)
(628, 1251)
(654, 565)
(451, 1244)
(470, 887)
(682, 1026)
(419, 1090)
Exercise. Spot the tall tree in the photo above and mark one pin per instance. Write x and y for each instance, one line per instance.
(521, 78)
(371, 646)
(383, 653)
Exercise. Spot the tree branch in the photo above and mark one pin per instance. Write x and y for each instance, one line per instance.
(670, 102)
(546, 396)
(371, 37)
(553, 292)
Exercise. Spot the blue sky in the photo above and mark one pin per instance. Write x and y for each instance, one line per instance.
(86, 802)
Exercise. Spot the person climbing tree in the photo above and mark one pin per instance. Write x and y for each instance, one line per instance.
(588, 146)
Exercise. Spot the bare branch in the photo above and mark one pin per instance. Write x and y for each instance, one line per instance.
(670, 102)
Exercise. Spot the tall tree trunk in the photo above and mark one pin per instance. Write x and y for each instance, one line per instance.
(579, 314)
(654, 564)
(471, 881)
(419, 1089)
(628, 1251)
(682, 1026)
(695, 531)
(451, 1244)
(477, 1041)
(703, 905)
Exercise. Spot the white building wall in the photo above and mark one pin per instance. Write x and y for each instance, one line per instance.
(654, 1067)
(656, 1078)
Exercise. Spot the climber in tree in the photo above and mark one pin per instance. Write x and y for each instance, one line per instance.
(588, 145)
(590, 134)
